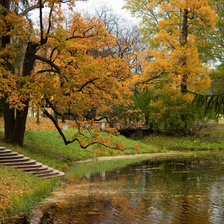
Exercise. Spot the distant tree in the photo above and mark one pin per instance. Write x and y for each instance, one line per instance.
(1, 107)
(129, 39)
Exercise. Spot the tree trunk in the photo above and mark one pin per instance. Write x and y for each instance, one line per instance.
(20, 124)
(9, 113)
(38, 116)
(21, 115)
(63, 118)
(146, 120)
(183, 43)
(15, 122)
(9, 120)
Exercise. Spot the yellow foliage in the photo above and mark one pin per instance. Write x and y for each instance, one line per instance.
(175, 61)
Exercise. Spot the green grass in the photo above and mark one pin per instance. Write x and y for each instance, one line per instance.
(47, 147)
(207, 139)
(23, 205)
(20, 191)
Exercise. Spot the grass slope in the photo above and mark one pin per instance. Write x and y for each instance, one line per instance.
(47, 146)
(207, 139)
(19, 192)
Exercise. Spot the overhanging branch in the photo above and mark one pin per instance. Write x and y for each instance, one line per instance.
(49, 62)
(75, 139)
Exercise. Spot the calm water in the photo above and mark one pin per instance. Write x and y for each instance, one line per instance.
(159, 194)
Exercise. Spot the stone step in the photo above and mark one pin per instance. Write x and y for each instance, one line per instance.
(18, 164)
(8, 154)
(33, 167)
(29, 166)
(24, 159)
(19, 161)
(54, 173)
(10, 157)
(60, 174)
(37, 172)
(5, 151)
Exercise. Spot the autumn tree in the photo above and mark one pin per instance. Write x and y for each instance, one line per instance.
(57, 71)
(172, 65)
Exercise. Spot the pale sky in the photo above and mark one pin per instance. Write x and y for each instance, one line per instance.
(115, 5)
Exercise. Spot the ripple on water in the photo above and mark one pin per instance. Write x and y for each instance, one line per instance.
(168, 195)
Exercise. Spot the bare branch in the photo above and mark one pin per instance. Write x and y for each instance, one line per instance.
(49, 22)
(83, 34)
(151, 79)
(30, 9)
(41, 22)
(81, 37)
(90, 81)
(75, 139)
(52, 52)
(46, 70)
(49, 62)
(57, 126)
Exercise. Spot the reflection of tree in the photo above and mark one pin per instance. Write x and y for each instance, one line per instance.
(217, 202)
(144, 194)
(93, 203)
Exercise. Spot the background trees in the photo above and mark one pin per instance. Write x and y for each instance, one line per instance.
(173, 66)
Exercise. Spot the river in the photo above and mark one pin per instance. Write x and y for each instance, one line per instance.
(167, 193)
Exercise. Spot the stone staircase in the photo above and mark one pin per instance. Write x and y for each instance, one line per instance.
(19, 161)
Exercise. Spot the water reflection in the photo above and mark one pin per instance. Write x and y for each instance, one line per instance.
(163, 194)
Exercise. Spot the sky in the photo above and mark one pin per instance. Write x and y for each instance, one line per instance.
(115, 5)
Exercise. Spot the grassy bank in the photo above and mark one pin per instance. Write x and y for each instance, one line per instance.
(20, 192)
(211, 138)
(47, 146)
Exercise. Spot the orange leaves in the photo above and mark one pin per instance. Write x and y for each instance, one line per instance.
(18, 27)
(69, 66)
(89, 32)
(172, 57)
(11, 183)
(199, 11)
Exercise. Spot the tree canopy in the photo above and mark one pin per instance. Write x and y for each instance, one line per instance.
(60, 69)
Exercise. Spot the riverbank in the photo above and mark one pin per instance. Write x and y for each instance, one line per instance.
(47, 147)
(20, 192)
(92, 166)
